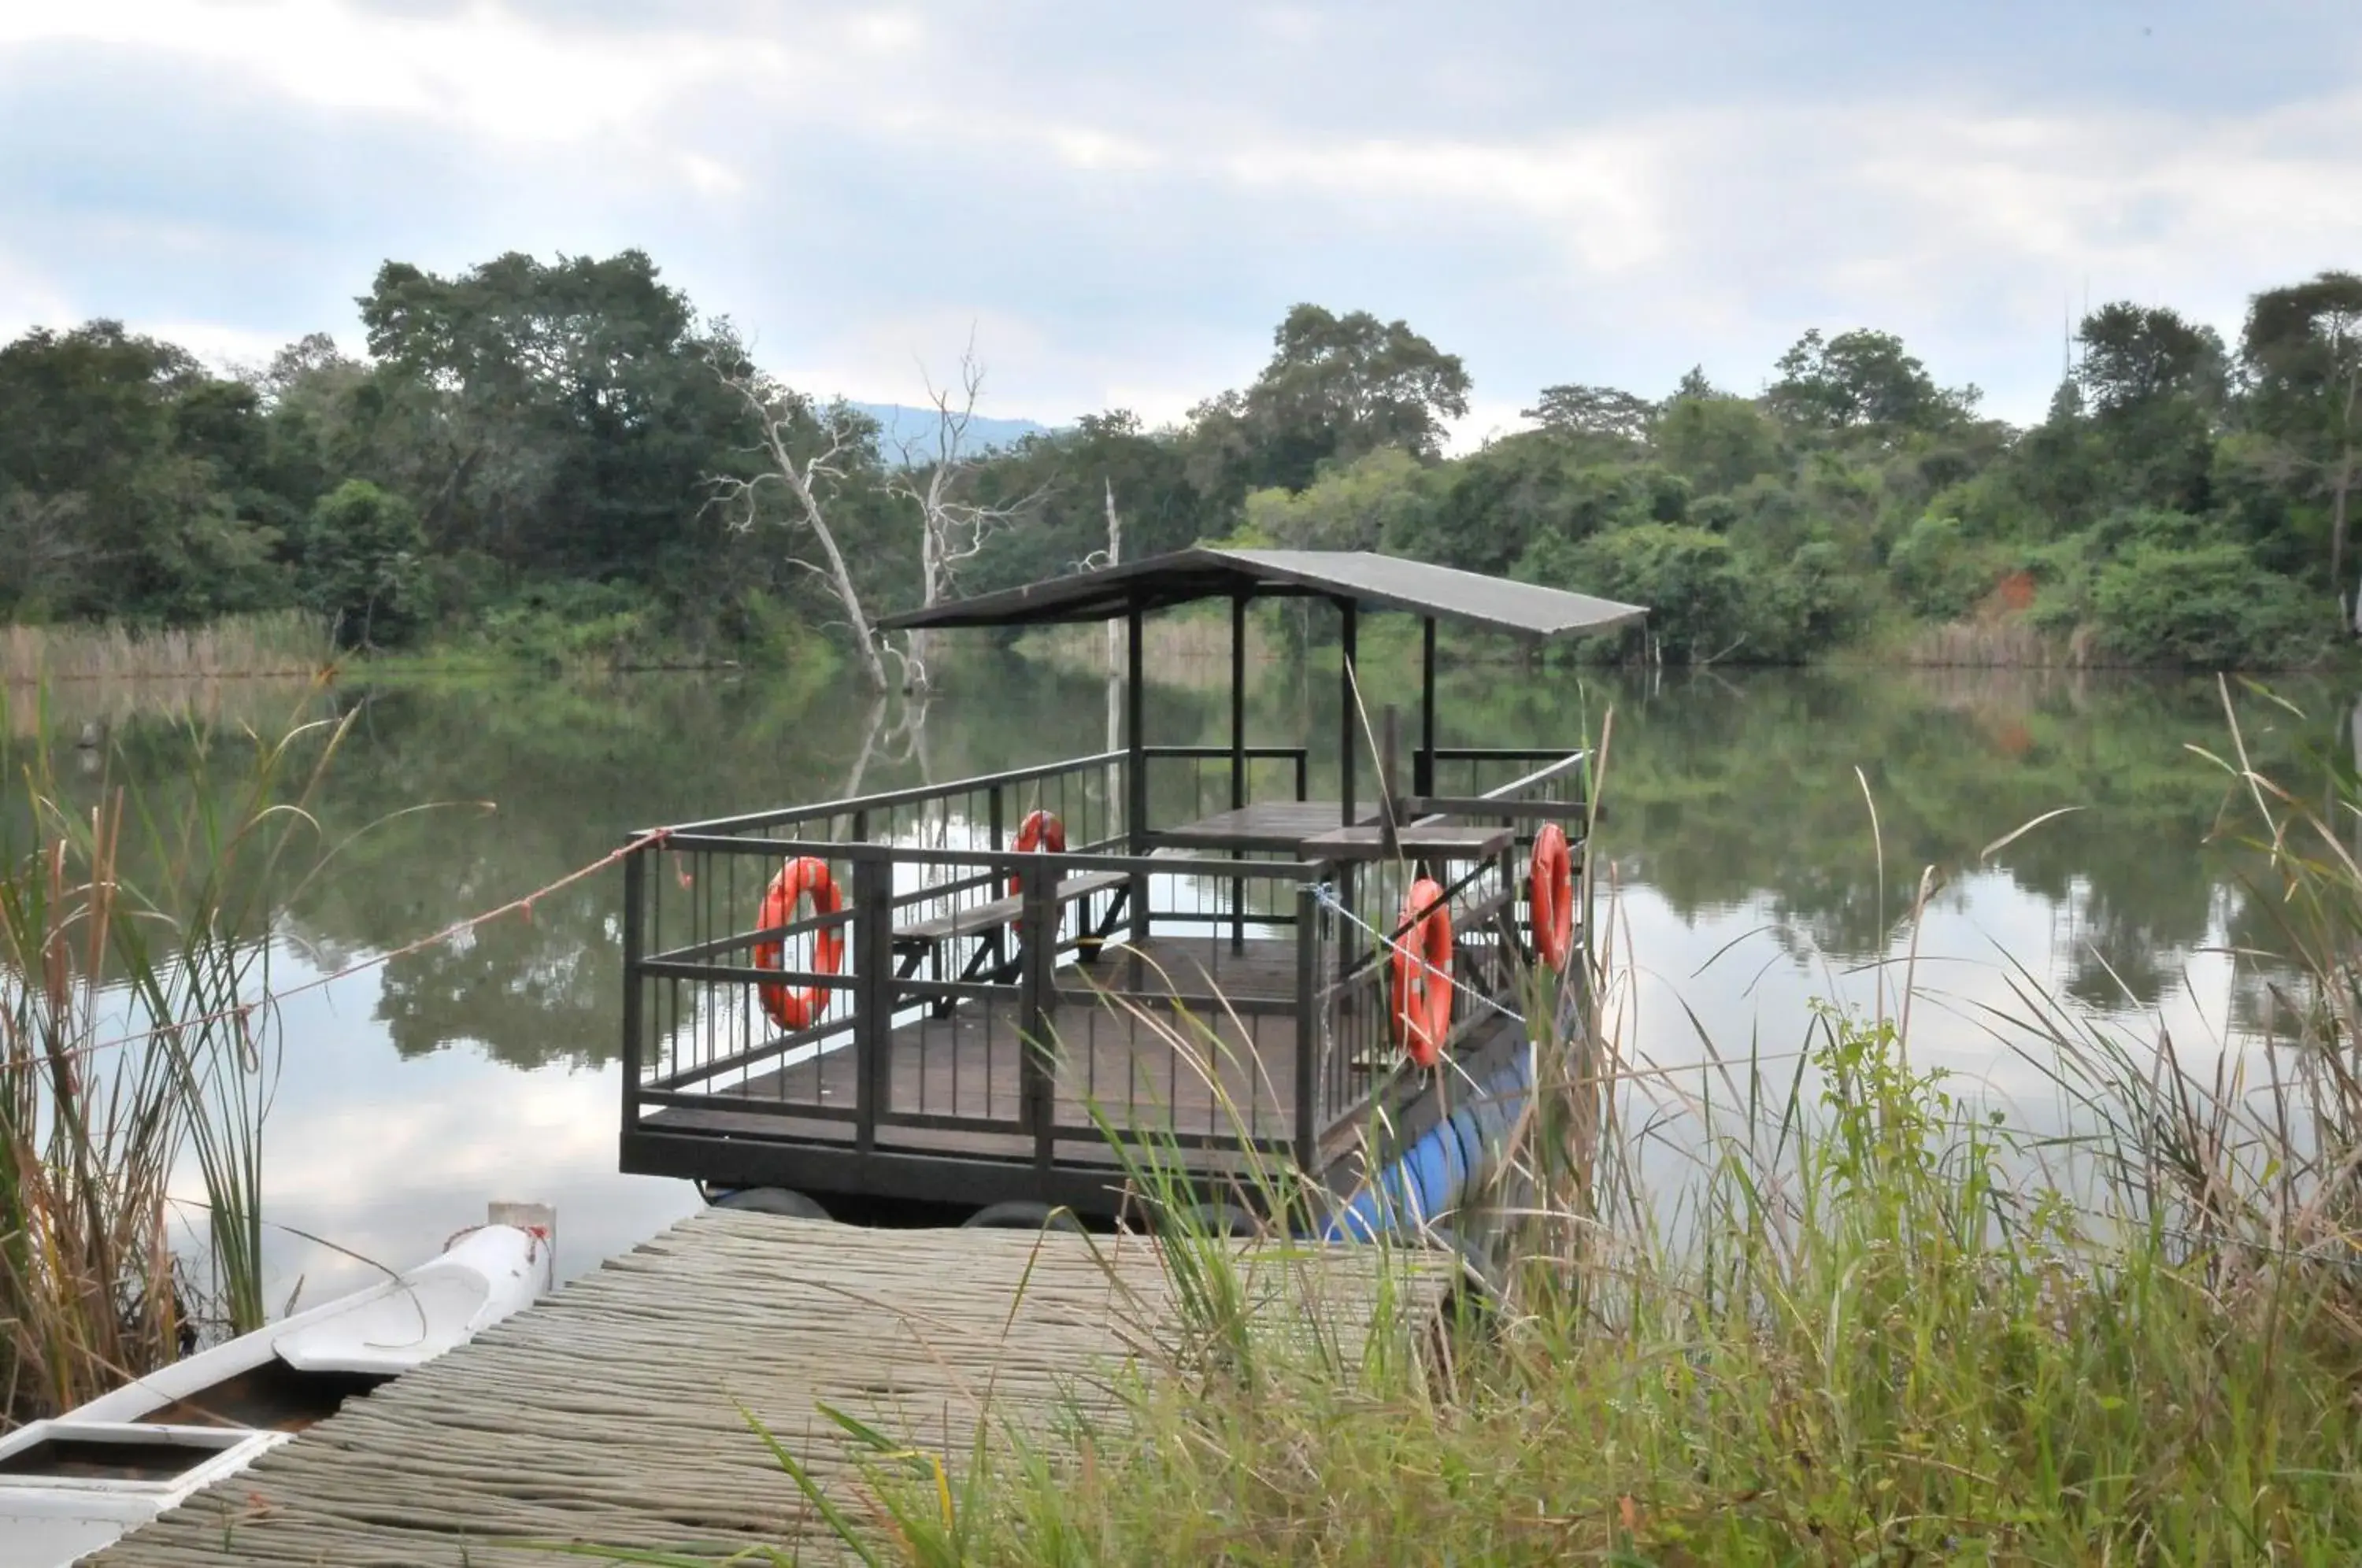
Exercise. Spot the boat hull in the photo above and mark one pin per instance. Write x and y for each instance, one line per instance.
(71, 1486)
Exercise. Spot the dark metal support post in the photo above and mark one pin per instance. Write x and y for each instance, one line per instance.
(1423, 770)
(873, 996)
(1348, 874)
(635, 882)
(1038, 923)
(999, 824)
(1347, 735)
(1135, 741)
(1238, 756)
(1389, 825)
(1307, 1036)
(1238, 704)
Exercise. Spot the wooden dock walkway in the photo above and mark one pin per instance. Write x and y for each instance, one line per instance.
(610, 1412)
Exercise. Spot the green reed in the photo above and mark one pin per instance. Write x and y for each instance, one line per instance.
(1865, 1319)
(137, 1044)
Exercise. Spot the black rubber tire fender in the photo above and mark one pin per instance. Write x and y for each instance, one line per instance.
(1022, 1214)
(781, 1200)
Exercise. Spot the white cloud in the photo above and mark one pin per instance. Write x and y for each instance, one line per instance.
(711, 176)
(482, 67)
(227, 350)
(1124, 211)
(1081, 148)
(1488, 419)
(1598, 195)
(887, 32)
(27, 299)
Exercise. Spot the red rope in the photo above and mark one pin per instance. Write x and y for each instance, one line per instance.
(523, 905)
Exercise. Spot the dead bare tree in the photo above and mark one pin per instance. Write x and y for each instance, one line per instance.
(892, 745)
(937, 477)
(828, 440)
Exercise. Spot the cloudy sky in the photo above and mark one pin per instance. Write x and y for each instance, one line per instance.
(1122, 198)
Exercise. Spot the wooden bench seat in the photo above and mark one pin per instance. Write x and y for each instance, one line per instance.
(982, 917)
(995, 957)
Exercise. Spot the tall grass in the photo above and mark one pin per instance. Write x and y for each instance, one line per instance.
(94, 710)
(1177, 641)
(1865, 1319)
(278, 642)
(137, 1045)
(1993, 643)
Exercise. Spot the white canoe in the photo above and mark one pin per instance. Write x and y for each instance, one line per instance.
(71, 1485)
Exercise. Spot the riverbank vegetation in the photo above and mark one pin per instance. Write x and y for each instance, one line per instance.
(269, 643)
(137, 1053)
(1820, 1304)
(565, 464)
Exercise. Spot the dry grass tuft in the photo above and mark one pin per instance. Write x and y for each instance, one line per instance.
(1995, 644)
(136, 1047)
(281, 641)
(1842, 1312)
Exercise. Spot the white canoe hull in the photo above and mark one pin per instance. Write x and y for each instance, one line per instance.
(71, 1485)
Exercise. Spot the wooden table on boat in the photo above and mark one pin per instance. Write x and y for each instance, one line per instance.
(1317, 830)
(611, 1413)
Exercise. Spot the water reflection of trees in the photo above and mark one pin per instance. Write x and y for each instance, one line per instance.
(1731, 789)
(1744, 787)
(570, 772)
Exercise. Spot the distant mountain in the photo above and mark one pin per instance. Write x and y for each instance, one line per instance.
(898, 425)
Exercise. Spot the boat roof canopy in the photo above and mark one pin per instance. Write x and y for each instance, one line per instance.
(1375, 581)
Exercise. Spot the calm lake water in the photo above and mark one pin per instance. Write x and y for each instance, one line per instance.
(1748, 883)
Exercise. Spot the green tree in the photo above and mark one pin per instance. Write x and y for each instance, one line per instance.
(2304, 353)
(1938, 572)
(1719, 442)
(1337, 386)
(1072, 476)
(364, 566)
(2154, 385)
(1861, 380)
(42, 552)
(560, 417)
(134, 477)
(2207, 607)
(1354, 507)
(1601, 414)
(2134, 356)
(1693, 581)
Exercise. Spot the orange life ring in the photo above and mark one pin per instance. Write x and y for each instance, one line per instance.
(806, 876)
(1549, 890)
(1040, 831)
(1422, 974)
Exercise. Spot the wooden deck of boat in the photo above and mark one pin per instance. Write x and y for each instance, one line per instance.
(1226, 1069)
(611, 1413)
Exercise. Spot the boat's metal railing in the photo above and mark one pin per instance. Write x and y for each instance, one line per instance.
(1357, 1076)
(1013, 1017)
(1269, 1025)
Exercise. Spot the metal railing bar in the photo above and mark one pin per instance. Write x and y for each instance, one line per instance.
(1501, 753)
(744, 974)
(1008, 862)
(1246, 1004)
(916, 795)
(727, 1102)
(1490, 806)
(815, 1039)
(768, 933)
